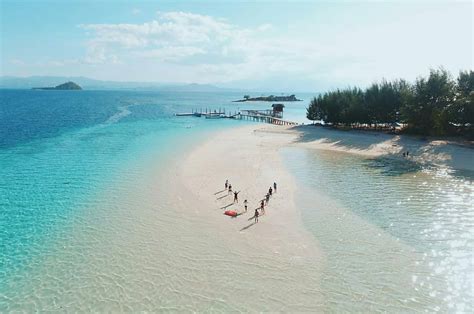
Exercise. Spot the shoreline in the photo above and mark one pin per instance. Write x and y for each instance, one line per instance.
(452, 140)
(428, 151)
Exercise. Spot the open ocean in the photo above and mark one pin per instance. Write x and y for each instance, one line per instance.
(396, 237)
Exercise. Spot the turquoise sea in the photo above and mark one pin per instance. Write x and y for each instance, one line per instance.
(60, 150)
(397, 237)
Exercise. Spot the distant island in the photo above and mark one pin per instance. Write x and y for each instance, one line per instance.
(269, 98)
(14, 82)
(64, 86)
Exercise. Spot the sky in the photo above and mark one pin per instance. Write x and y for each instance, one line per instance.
(275, 45)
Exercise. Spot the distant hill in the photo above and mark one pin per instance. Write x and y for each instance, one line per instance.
(38, 81)
(91, 84)
(64, 86)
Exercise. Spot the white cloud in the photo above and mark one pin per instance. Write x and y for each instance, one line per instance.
(171, 53)
(213, 49)
(201, 48)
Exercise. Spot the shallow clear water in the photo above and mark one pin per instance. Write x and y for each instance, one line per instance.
(86, 220)
(396, 236)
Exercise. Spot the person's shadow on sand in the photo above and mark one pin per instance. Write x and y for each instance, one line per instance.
(248, 226)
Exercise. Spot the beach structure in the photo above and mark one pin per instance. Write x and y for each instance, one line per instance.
(272, 116)
(266, 116)
(206, 112)
(278, 110)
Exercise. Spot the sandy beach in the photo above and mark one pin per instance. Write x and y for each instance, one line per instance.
(425, 151)
(278, 244)
(249, 158)
(159, 240)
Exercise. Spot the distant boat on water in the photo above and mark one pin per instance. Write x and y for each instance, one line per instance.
(189, 114)
(217, 115)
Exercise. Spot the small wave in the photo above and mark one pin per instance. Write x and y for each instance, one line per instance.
(123, 112)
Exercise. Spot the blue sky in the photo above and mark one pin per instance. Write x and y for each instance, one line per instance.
(291, 45)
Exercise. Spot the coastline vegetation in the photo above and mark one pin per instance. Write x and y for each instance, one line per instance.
(269, 98)
(436, 105)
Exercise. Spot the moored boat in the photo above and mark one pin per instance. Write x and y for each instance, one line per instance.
(214, 116)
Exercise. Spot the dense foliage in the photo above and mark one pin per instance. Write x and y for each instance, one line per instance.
(436, 105)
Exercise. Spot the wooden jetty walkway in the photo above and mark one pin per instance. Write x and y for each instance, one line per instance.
(266, 116)
(263, 116)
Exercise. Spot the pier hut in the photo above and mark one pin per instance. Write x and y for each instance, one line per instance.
(278, 110)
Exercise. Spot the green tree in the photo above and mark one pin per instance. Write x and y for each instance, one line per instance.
(461, 112)
(427, 112)
(435, 105)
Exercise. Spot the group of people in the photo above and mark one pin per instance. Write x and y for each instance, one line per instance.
(406, 154)
(228, 187)
(264, 202)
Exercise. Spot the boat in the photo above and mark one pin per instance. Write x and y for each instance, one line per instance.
(216, 115)
(188, 114)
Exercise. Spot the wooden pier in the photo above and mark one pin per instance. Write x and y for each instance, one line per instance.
(265, 116)
(254, 115)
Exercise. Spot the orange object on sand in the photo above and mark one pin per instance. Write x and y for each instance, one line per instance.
(231, 213)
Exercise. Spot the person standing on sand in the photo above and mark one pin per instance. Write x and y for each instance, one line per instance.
(236, 198)
(275, 186)
(226, 184)
(270, 191)
(230, 189)
(256, 215)
(245, 204)
(267, 198)
(262, 207)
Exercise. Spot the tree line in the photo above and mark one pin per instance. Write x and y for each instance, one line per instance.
(433, 105)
